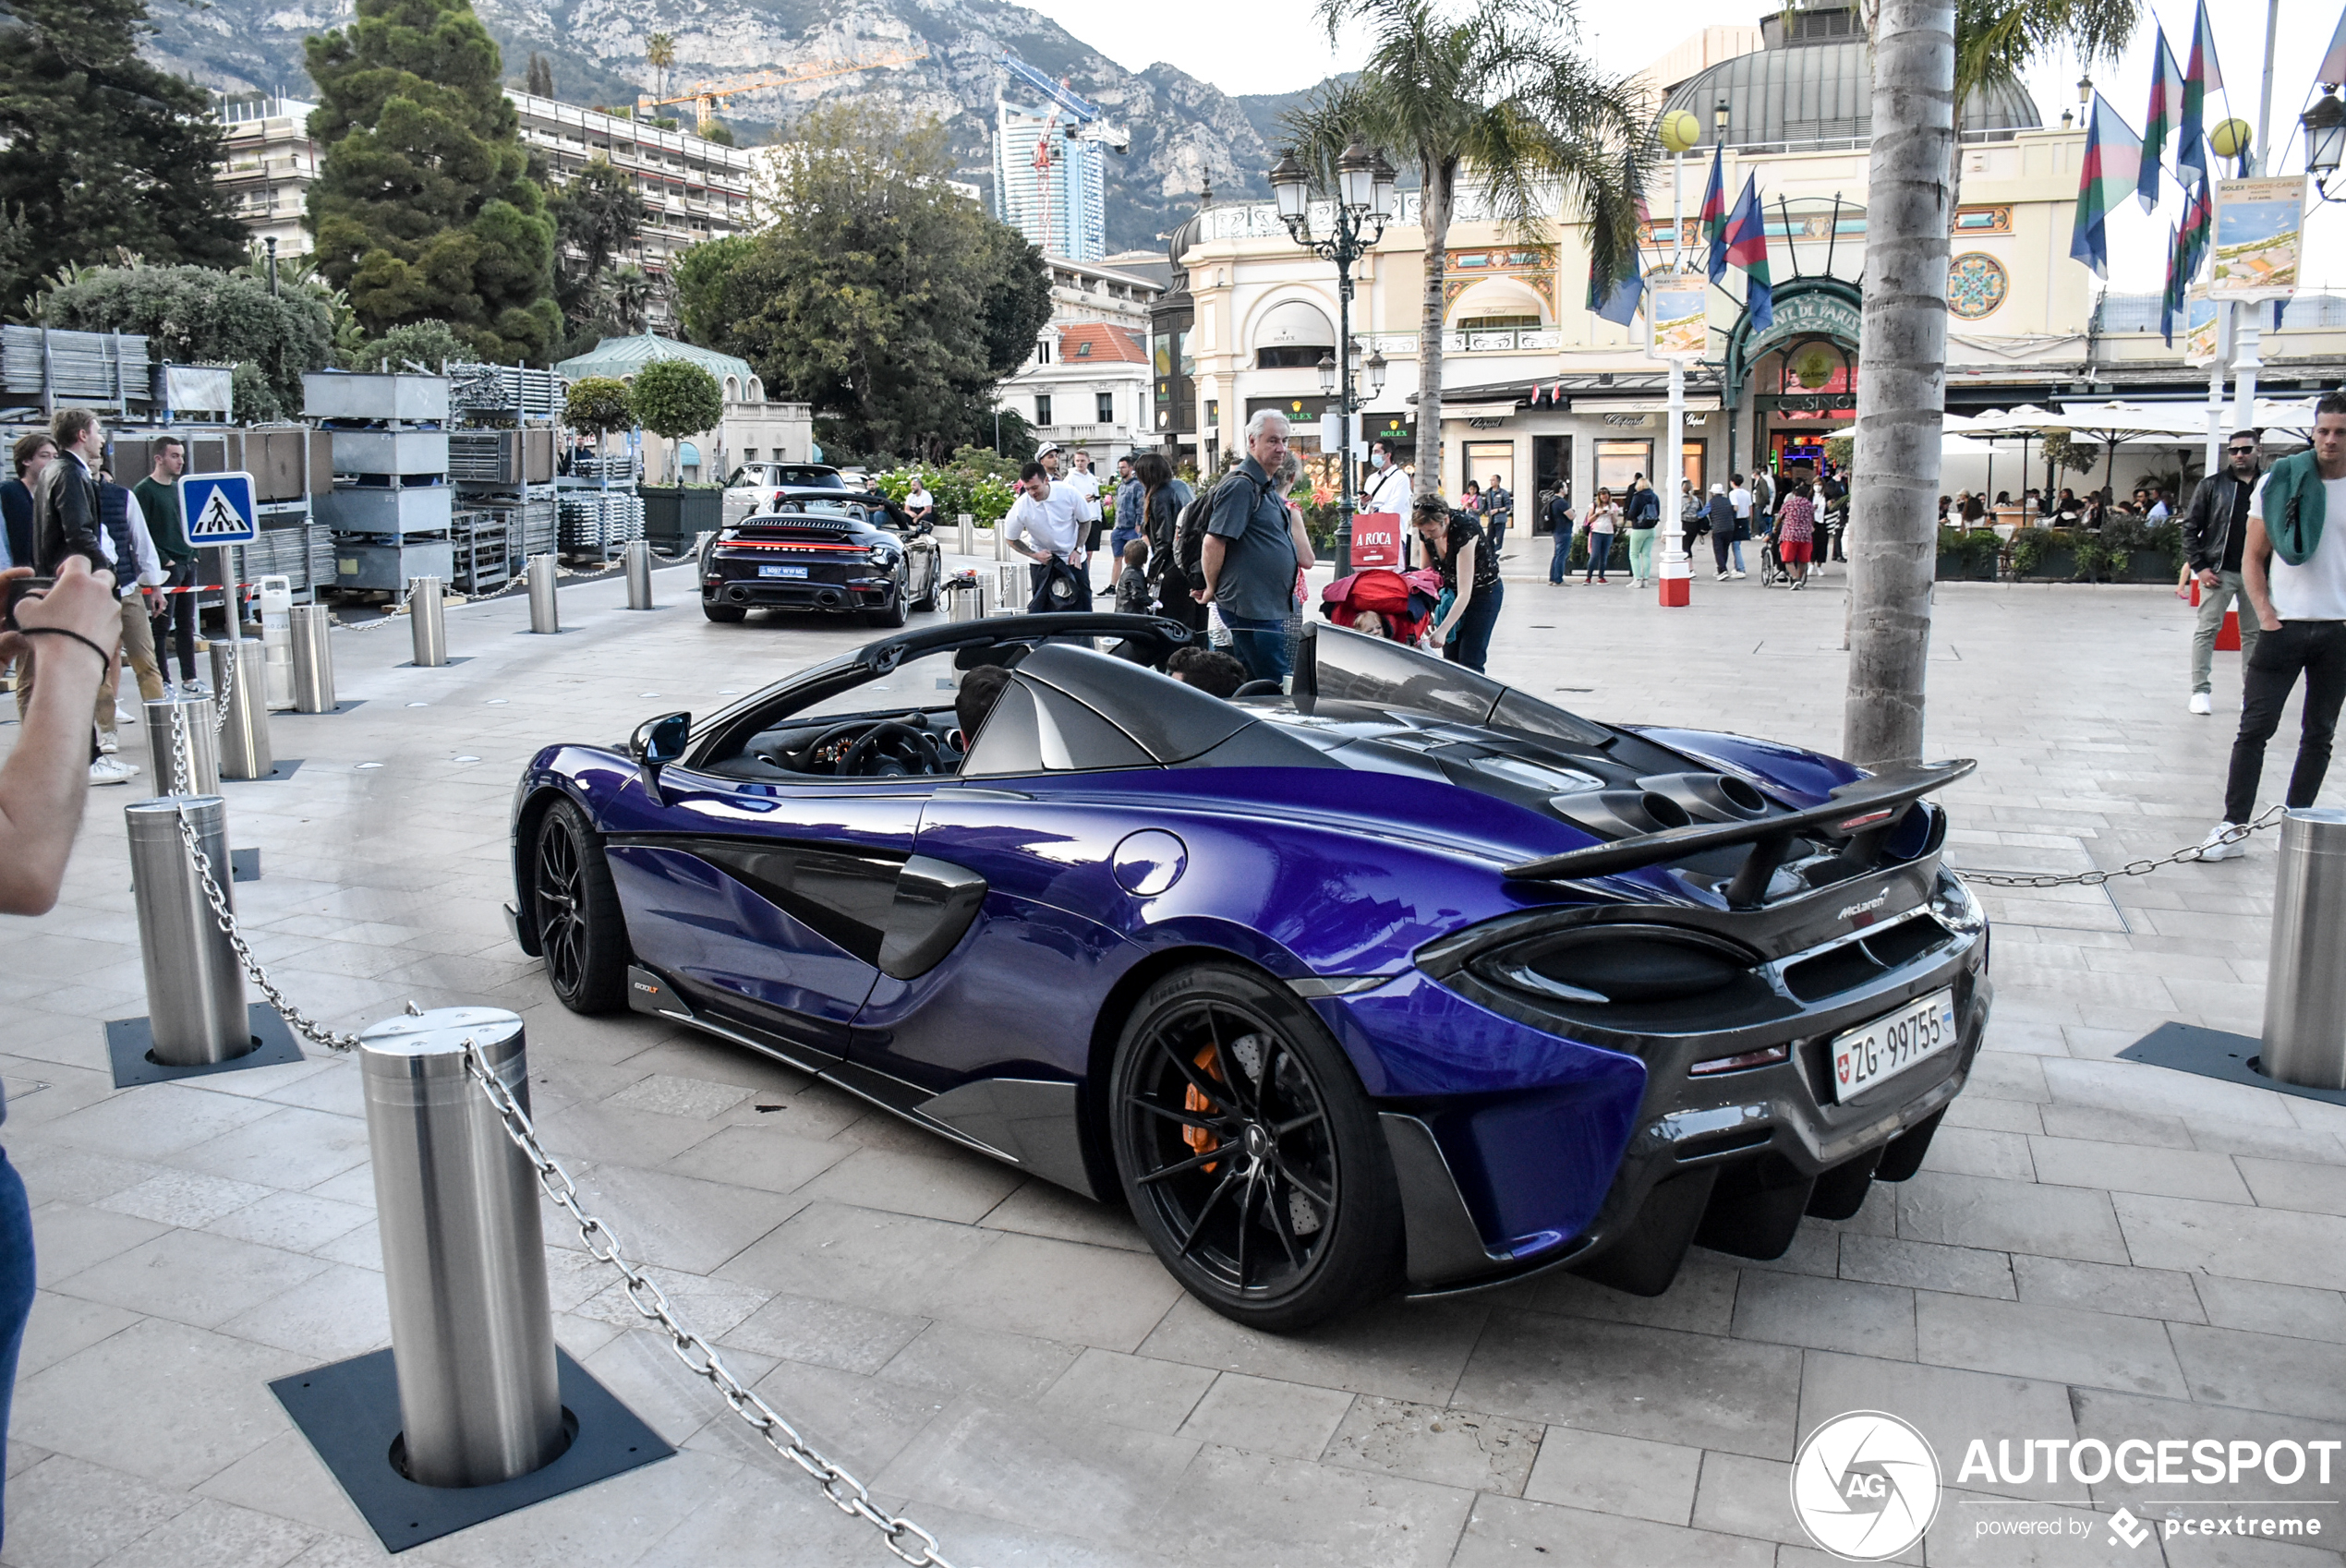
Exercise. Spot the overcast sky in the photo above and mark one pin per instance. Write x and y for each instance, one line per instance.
(1245, 46)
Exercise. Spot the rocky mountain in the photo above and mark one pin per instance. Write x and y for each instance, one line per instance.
(1183, 131)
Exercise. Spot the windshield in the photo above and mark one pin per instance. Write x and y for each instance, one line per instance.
(927, 682)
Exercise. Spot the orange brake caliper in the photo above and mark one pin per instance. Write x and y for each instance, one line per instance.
(1200, 1140)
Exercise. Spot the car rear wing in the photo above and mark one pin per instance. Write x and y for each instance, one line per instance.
(1860, 812)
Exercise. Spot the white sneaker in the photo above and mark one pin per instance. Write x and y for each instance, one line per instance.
(2202, 703)
(196, 688)
(2216, 847)
(106, 770)
(123, 715)
(1723, 577)
(108, 743)
(1739, 576)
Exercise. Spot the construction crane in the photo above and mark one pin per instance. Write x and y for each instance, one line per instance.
(1086, 126)
(704, 94)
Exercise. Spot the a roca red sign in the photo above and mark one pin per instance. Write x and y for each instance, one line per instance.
(1376, 540)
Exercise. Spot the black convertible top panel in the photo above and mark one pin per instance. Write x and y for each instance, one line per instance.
(1173, 721)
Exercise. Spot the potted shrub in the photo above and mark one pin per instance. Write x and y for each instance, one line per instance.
(2043, 552)
(1967, 555)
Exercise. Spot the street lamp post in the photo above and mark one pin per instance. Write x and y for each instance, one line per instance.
(1364, 203)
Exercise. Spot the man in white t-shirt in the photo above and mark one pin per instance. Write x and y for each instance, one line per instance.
(2293, 570)
(1044, 527)
(1085, 485)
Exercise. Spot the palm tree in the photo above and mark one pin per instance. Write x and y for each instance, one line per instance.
(1493, 96)
(1928, 57)
(659, 53)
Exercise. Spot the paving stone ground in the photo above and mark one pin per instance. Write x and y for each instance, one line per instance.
(2095, 1250)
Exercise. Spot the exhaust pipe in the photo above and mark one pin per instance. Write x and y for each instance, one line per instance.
(1709, 797)
(1619, 814)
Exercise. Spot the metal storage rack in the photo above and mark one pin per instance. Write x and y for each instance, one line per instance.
(392, 511)
(501, 459)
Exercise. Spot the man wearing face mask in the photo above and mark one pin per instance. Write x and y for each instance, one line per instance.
(1388, 489)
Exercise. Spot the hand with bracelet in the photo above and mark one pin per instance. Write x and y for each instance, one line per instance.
(46, 777)
(80, 606)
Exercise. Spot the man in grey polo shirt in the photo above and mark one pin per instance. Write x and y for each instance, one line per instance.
(1254, 543)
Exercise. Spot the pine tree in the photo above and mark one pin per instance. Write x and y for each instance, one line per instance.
(423, 207)
(100, 152)
(541, 76)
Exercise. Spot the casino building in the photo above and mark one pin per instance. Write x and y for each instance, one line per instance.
(1538, 389)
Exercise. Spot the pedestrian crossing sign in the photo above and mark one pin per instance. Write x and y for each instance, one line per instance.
(218, 508)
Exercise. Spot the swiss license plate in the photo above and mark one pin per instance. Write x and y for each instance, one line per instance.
(781, 572)
(1872, 1054)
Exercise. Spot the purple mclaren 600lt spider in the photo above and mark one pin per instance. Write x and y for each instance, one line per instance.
(1403, 979)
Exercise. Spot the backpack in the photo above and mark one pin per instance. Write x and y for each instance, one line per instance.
(1189, 529)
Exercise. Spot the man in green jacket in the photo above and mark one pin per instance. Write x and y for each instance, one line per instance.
(2293, 570)
(158, 496)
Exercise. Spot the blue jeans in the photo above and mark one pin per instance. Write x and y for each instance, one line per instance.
(1116, 543)
(1261, 645)
(1563, 555)
(16, 1281)
(1600, 551)
(1470, 640)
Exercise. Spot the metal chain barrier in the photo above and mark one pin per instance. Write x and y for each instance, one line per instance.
(300, 1022)
(846, 1493)
(2095, 878)
(228, 676)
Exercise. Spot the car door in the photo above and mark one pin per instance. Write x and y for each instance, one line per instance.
(766, 904)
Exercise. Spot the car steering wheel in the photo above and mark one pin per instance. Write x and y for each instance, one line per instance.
(802, 755)
(902, 742)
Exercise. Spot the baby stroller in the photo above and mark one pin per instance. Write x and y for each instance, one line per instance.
(1403, 605)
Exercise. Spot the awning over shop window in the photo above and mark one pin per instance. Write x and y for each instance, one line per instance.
(688, 454)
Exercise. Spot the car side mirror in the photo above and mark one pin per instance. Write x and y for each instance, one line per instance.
(656, 743)
(926, 527)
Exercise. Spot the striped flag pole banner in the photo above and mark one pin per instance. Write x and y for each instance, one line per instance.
(2160, 119)
(2201, 78)
(1714, 213)
(1747, 236)
(2112, 167)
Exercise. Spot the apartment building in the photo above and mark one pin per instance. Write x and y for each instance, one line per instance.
(268, 164)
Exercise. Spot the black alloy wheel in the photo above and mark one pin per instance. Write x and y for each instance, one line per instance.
(581, 933)
(1248, 1153)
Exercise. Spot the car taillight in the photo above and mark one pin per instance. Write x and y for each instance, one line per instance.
(1616, 963)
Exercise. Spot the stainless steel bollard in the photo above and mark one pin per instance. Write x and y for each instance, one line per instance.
(426, 623)
(1002, 539)
(1010, 593)
(966, 526)
(203, 755)
(195, 992)
(2305, 983)
(639, 574)
(313, 658)
(243, 738)
(543, 615)
(472, 1330)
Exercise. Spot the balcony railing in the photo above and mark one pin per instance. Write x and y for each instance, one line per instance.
(1526, 340)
